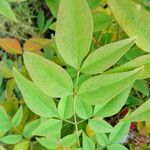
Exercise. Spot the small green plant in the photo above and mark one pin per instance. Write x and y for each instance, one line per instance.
(78, 99)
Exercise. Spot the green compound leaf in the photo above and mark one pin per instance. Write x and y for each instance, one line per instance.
(135, 63)
(49, 143)
(11, 139)
(104, 57)
(6, 10)
(74, 31)
(116, 147)
(52, 79)
(88, 144)
(35, 99)
(95, 90)
(113, 106)
(83, 110)
(119, 132)
(100, 126)
(48, 127)
(65, 107)
(132, 17)
(5, 123)
(102, 139)
(16, 120)
(69, 140)
(140, 114)
(30, 127)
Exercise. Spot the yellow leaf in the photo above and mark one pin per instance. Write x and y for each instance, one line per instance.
(10, 45)
(36, 44)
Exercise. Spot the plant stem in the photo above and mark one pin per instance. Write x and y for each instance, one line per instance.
(68, 121)
(75, 122)
(75, 117)
(77, 80)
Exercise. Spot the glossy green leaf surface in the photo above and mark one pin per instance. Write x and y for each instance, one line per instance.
(102, 139)
(65, 107)
(119, 132)
(100, 126)
(143, 60)
(11, 139)
(104, 57)
(74, 31)
(116, 147)
(69, 140)
(113, 106)
(16, 120)
(30, 127)
(48, 127)
(83, 110)
(88, 144)
(95, 90)
(48, 143)
(36, 100)
(52, 79)
(132, 17)
(5, 123)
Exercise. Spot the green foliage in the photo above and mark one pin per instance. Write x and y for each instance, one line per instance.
(16, 120)
(11, 139)
(6, 10)
(36, 100)
(95, 90)
(116, 146)
(30, 127)
(83, 110)
(140, 114)
(102, 139)
(65, 107)
(72, 45)
(24, 145)
(74, 81)
(53, 6)
(132, 21)
(88, 144)
(137, 62)
(49, 143)
(101, 21)
(48, 127)
(69, 140)
(119, 132)
(100, 126)
(106, 56)
(50, 76)
(5, 122)
(113, 106)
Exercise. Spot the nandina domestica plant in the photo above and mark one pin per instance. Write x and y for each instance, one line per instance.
(82, 101)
